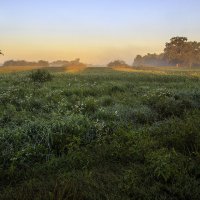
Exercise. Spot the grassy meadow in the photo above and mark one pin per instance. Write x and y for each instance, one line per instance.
(100, 134)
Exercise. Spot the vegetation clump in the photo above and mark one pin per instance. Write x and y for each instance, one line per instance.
(41, 76)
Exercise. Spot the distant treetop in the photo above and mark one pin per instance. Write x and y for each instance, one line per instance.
(151, 60)
(40, 63)
(178, 52)
(118, 63)
(181, 52)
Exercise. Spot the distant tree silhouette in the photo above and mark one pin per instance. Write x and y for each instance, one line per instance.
(138, 60)
(181, 52)
(174, 50)
(178, 52)
(192, 54)
(150, 60)
(25, 63)
(1, 53)
(43, 63)
(117, 63)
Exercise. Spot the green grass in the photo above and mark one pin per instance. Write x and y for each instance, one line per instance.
(100, 134)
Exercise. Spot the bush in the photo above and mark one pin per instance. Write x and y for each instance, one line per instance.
(117, 63)
(143, 115)
(41, 75)
(181, 135)
(116, 88)
(106, 101)
(166, 104)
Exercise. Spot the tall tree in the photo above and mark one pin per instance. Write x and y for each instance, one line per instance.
(192, 53)
(138, 60)
(175, 50)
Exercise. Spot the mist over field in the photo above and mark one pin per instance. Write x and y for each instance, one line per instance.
(99, 100)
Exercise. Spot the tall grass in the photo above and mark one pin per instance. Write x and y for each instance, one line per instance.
(99, 134)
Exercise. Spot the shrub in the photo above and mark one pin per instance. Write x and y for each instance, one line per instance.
(166, 104)
(143, 115)
(182, 135)
(106, 101)
(91, 105)
(116, 89)
(40, 75)
(117, 63)
(162, 164)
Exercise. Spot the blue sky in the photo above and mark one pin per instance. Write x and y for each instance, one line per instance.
(95, 31)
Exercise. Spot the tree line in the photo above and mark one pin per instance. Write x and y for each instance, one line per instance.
(151, 60)
(43, 63)
(178, 52)
(25, 63)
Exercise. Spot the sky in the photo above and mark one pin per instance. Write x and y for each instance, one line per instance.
(96, 31)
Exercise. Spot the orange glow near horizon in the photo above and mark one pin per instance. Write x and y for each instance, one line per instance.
(91, 53)
(97, 32)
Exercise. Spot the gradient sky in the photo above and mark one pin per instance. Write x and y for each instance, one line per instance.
(96, 31)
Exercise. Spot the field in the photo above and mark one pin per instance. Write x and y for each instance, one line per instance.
(100, 134)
